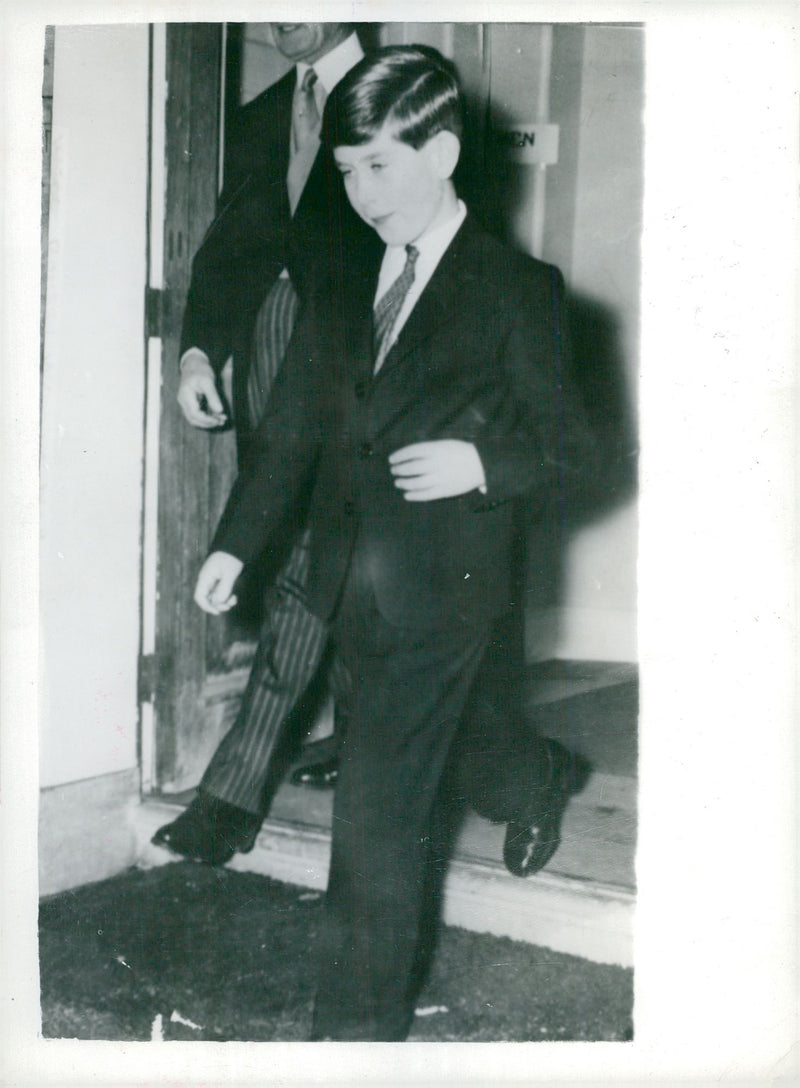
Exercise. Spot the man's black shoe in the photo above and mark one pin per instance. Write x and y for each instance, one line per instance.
(210, 830)
(532, 841)
(319, 776)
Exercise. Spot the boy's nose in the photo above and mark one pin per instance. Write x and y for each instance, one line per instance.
(364, 192)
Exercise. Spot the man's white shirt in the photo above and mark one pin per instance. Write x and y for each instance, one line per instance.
(331, 68)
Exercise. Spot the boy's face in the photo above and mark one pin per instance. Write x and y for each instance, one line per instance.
(398, 190)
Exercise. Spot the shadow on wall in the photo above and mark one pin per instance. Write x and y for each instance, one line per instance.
(600, 375)
(498, 192)
(599, 371)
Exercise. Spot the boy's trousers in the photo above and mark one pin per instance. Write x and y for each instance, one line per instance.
(410, 690)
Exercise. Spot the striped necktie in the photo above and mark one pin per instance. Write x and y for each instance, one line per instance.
(306, 122)
(389, 306)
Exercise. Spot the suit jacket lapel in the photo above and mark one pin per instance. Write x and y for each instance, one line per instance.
(273, 108)
(358, 287)
(445, 295)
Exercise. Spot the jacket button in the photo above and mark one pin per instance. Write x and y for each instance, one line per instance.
(361, 389)
(349, 508)
(365, 451)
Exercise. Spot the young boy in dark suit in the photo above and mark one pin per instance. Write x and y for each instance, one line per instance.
(414, 407)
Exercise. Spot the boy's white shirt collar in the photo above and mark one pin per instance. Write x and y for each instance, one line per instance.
(432, 245)
(334, 65)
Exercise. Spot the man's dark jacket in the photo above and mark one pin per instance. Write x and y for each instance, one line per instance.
(483, 357)
(253, 237)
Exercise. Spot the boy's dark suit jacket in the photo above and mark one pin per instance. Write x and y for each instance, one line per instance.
(483, 357)
(253, 237)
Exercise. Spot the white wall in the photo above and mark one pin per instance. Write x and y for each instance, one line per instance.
(600, 596)
(93, 389)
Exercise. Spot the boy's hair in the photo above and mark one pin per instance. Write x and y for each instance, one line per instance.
(413, 88)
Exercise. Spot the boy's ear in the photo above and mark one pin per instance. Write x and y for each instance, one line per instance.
(445, 149)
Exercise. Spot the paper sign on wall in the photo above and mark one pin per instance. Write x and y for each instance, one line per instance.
(531, 144)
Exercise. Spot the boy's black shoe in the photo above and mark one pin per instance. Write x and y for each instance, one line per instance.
(210, 830)
(531, 842)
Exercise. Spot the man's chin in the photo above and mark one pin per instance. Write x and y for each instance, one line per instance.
(294, 40)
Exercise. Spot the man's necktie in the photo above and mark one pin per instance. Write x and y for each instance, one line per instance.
(389, 306)
(306, 123)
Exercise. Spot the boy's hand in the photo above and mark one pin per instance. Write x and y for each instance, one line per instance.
(214, 590)
(437, 470)
(197, 393)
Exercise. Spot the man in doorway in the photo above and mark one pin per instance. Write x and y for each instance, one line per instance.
(283, 222)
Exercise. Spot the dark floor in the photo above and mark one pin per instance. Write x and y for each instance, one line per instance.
(190, 952)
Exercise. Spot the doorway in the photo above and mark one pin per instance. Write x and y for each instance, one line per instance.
(193, 669)
(516, 77)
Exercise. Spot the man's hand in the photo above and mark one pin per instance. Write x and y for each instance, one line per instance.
(214, 589)
(437, 470)
(197, 393)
